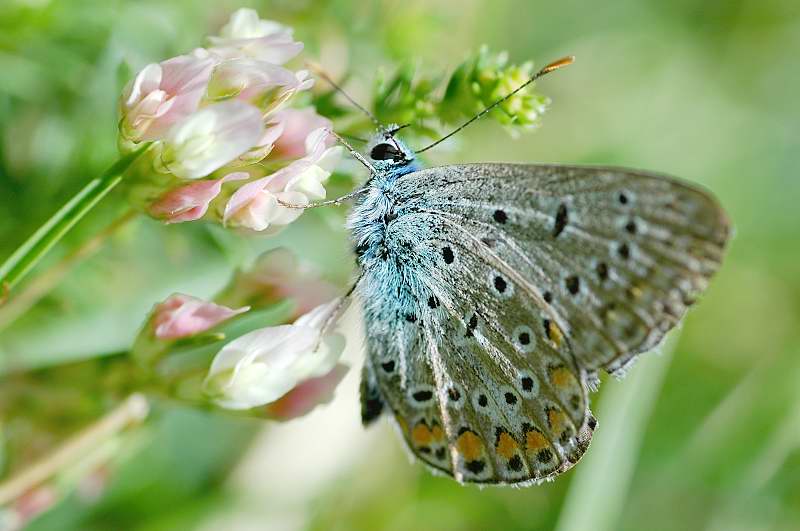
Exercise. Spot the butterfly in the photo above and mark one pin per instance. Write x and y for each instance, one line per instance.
(494, 294)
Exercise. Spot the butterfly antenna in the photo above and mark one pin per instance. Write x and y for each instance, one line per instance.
(317, 69)
(546, 70)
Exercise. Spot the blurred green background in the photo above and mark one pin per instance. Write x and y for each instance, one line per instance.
(704, 436)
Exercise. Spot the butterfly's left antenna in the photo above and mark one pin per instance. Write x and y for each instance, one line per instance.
(546, 70)
(317, 69)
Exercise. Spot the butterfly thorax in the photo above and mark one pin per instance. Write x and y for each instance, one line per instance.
(374, 215)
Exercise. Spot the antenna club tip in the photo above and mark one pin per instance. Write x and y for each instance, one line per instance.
(555, 65)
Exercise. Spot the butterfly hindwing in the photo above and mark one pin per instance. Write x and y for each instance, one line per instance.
(478, 388)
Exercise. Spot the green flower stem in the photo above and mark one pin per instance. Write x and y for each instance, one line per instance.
(601, 481)
(131, 411)
(33, 250)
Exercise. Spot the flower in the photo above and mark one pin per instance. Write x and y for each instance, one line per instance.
(182, 315)
(261, 83)
(297, 126)
(307, 395)
(161, 95)
(246, 35)
(276, 275)
(261, 366)
(211, 138)
(257, 204)
(190, 202)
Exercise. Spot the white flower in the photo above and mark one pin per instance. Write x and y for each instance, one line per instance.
(246, 35)
(161, 95)
(257, 204)
(211, 138)
(263, 84)
(260, 367)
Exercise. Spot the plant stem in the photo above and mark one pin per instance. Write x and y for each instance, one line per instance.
(33, 250)
(133, 410)
(42, 285)
(596, 495)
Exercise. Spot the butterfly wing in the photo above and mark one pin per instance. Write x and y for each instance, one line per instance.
(480, 339)
(616, 255)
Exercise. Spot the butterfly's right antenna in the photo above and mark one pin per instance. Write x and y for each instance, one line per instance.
(317, 69)
(546, 70)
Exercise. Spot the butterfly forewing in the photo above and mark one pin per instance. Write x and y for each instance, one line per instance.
(616, 255)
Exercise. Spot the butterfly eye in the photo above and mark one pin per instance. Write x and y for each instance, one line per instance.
(386, 151)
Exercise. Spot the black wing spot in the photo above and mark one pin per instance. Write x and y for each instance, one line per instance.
(500, 284)
(483, 401)
(561, 220)
(623, 199)
(422, 396)
(573, 284)
(527, 383)
(388, 366)
(524, 338)
(548, 297)
(500, 216)
(411, 318)
(631, 227)
(515, 463)
(472, 325)
(624, 251)
(511, 398)
(447, 254)
(544, 456)
(476, 466)
(433, 302)
(602, 271)
(453, 394)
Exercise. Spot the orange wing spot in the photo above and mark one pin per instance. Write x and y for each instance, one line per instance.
(421, 435)
(535, 441)
(506, 446)
(469, 445)
(555, 333)
(437, 433)
(556, 419)
(561, 377)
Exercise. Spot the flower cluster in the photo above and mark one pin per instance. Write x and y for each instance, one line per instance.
(224, 144)
(284, 370)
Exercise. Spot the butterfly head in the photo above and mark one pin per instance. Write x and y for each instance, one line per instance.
(387, 153)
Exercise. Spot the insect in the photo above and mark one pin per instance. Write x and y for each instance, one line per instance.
(493, 294)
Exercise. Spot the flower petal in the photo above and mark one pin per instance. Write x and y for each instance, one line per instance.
(183, 315)
(190, 202)
(211, 138)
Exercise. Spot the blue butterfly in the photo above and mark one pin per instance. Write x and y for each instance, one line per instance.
(494, 293)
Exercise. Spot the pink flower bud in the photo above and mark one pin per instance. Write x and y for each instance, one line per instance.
(297, 126)
(161, 95)
(182, 316)
(190, 202)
